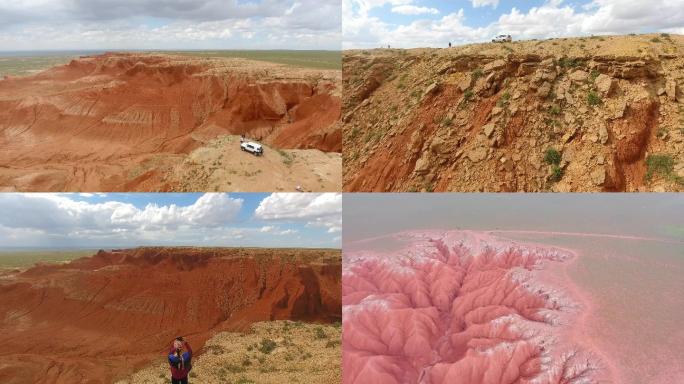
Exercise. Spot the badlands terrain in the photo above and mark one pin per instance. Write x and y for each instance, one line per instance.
(600, 113)
(461, 307)
(102, 318)
(164, 122)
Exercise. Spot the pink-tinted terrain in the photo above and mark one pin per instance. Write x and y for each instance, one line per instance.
(465, 307)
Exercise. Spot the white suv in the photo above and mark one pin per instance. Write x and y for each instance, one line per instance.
(502, 39)
(253, 148)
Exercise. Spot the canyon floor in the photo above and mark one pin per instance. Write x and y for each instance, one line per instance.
(101, 318)
(165, 122)
(599, 113)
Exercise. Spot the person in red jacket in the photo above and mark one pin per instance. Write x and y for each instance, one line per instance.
(180, 361)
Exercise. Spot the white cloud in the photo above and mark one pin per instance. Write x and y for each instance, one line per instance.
(135, 24)
(54, 214)
(44, 219)
(554, 18)
(485, 3)
(414, 10)
(320, 210)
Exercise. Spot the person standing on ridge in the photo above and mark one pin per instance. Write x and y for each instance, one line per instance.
(180, 361)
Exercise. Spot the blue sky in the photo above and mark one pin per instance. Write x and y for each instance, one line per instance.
(30, 25)
(134, 219)
(422, 23)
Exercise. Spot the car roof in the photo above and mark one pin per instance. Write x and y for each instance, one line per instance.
(253, 144)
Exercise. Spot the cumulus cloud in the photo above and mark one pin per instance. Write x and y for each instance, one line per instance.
(318, 210)
(554, 18)
(414, 10)
(484, 3)
(170, 24)
(60, 214)
(213, 219)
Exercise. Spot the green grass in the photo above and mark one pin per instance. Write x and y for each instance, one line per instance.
(556, 173)
(593, 99)
(662, 165)
(20, 66)
(27, 258)
(552, 156)
(267, 346)
(306, 59)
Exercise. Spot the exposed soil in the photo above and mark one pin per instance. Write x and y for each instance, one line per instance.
(100, 318)
(482, 117)
(464, 307)
(129, 121)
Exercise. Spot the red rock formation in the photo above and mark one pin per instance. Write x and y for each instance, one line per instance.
(99, 318)
(88, 124)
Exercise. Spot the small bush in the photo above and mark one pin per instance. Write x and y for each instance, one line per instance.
(655, 40)
(503, 100)
(660, 164)
(595, 74)
(665, 35)
(556, 173)
(267, 346)
(593, 99)
(232, 368)
(332, 343)
(477, 73)
(246, 362)
(319, 333)
(468, 95)
(567, 62)
(555, 110)
(552, 156)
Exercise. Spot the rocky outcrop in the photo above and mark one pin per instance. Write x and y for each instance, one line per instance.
(496, 110)
(97, 318)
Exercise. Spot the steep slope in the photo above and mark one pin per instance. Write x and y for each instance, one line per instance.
(86, 125)
(582, 114)
(100, 318)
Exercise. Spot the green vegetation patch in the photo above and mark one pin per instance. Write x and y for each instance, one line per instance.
(662, 165)
(27, 258)
(21, 66)
(267, 346)
(594, 99)
(305, 59)
(552, 156)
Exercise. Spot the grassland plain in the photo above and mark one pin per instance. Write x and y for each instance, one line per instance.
(22, 258)
(26, 65)
(21, 64)
(306, 59)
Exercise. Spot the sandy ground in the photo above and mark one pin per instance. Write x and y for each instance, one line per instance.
(304, 353)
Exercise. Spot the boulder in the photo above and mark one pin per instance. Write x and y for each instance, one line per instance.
(579, 76)
(605, 84)
(489, 129)
(544, 90)
(598, 176)
(466, 82)
(495, 65)
(477, 154)
(431, 89)
(671, 90)
(603, 134)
